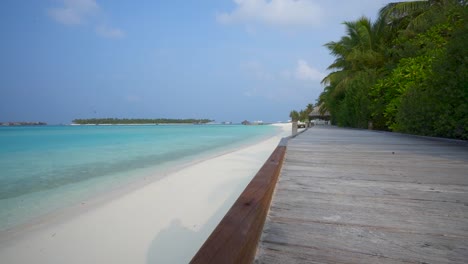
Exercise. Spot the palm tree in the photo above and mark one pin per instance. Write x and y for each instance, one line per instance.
(309, 108)
(358, 53)
(294, 115)
(359, 49)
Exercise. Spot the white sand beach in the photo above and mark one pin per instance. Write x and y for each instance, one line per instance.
(165, 221)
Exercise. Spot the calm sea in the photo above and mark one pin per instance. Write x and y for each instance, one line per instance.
(46, 168)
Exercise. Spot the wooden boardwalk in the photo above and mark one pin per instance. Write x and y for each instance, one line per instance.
(357, 196)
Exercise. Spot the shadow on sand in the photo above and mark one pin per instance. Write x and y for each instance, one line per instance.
(178, 244)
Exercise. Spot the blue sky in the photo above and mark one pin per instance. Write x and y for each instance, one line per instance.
(220, 59)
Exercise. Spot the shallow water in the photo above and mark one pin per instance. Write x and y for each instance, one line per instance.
(45, 168)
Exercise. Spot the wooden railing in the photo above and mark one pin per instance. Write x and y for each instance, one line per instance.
(236, 237)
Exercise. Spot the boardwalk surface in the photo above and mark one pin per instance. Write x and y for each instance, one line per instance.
(356, 196)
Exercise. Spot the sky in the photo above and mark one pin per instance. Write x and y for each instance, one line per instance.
(227, 60)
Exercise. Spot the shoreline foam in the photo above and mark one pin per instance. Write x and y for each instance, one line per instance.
(180, 209)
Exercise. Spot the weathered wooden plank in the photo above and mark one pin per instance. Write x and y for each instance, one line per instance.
(381, 173)
(335, 243)
(356, 196)
(378, 189)
(401, 216)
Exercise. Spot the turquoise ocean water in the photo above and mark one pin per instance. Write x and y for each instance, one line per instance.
(45, 168)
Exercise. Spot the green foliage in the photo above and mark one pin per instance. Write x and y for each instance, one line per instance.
(302, 115)
(355, 107)
(428, 42)
(439, 106)
(294, 115)
(389, 91)
(126, 121)
(405, 72)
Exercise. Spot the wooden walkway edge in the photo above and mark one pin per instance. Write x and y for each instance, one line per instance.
(236, 237)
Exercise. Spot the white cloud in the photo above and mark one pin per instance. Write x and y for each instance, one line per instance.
(256, 69)
(300, 79)
(349, 10)
(274, 12)
(73, 12)
(76, 12)
(109, 32)
(305, 72)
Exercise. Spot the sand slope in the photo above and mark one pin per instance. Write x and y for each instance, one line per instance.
(165, 221)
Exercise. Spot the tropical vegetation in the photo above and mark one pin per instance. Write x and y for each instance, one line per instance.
(407, 71)
(302, 115)
(126, 121)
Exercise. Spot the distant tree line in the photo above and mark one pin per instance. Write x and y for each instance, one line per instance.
(23, 123)
(127, 121)
(406, 72)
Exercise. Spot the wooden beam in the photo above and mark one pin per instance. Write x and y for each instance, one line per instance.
(236, 237)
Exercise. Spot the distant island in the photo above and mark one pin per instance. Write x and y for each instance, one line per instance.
(22, 124)
(137, 121)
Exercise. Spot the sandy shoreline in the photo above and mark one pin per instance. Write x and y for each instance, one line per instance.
(165, 221)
